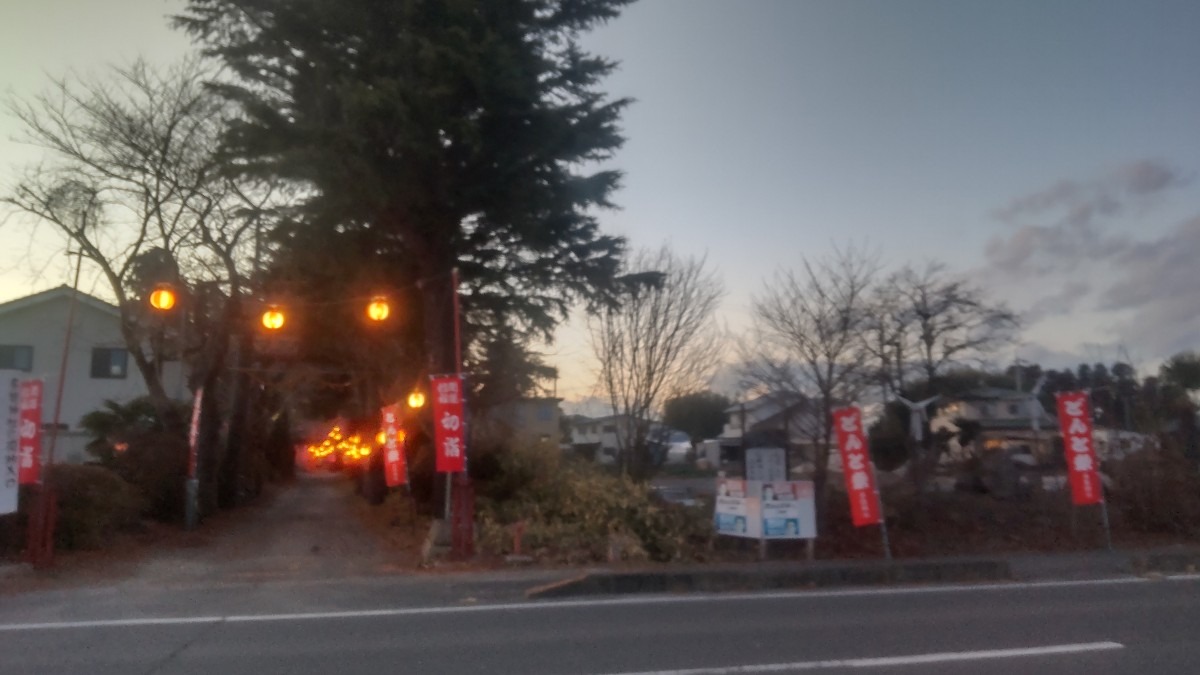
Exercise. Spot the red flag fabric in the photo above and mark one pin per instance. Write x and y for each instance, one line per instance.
(856, 466)
(1075, 418)
(395, 468)
(448, 424)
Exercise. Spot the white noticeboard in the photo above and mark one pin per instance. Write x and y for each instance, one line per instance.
(11, 458)
(788, 510)
(765, 509)
(766, 464)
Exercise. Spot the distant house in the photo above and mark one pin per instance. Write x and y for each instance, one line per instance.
(32, 332)
(791, 421)
(525, 422)
(601, 437)
(1003, 420)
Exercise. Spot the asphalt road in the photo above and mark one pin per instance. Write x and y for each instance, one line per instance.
(1095, 627)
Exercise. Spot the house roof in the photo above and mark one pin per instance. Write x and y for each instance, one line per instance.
(991, 394)
(58, 293)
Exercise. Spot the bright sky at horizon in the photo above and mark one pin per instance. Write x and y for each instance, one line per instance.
(1047, 150)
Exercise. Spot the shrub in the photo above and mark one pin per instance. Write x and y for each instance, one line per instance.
(148, 453)
(575, 512)
(94, 503)
(1158, 490)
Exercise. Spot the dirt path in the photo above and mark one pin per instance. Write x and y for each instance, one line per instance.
(307, 531)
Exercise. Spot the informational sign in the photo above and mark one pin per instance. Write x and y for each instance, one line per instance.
(788, 510)
(29, 446)
(737, 514)
(10, 472)
(856, 466)
(395, 467)
(1075, 418)
(449, 427)
(766, 464)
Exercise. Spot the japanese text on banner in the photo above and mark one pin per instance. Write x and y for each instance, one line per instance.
(856, 466)
(1075, 418)
(448, 424)
(29, 431)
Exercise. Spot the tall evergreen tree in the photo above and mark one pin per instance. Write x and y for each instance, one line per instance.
(450, 133)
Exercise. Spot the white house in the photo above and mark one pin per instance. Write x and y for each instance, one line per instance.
(32, 334)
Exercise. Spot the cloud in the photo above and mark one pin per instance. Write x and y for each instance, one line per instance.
(1065, 249)
(1067, 300)
(1062, 225)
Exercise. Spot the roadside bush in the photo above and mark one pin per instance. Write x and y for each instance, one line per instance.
(151, 455)
(1158, 490)
(94, 503)
(575, 512)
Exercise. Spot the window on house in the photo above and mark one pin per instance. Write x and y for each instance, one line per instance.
(1013, 409)
(610, 428)
(16, 357)
(545, 412)
(110, 363)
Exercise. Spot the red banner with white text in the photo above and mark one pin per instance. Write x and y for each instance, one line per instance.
(449, 427)
(29, 437)
(395, 467)
(1075, 418)
(856, 466)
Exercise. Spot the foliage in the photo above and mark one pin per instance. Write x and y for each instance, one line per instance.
(435, 134)
(700, 415)
(134, 442)
(888, 438)
(661, 340)
(573, 511)
(94, 503)
(1158, 490)
(1183, 370)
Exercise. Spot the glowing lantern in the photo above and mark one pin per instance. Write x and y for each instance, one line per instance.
(379, 309)
(163, 298)
(272, 319)
(381, 438)
(416, 400)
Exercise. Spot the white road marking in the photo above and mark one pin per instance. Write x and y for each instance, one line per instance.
(593, 602)
(889, 661)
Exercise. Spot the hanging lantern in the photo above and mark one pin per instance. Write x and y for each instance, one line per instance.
(416, 400)
(379, 309)
(162, 298)
(272, 319)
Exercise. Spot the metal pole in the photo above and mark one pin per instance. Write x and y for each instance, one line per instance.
(62, 372)
(1107, 530)
(883, 531)
(457, 371)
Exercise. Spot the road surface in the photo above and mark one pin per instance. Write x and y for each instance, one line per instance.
(1095, 627)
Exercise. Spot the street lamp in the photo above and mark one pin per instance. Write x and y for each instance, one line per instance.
(272, 319)
(378, 309)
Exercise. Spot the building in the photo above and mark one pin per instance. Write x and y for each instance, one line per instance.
(32, 334)
(791, 421)
(601, 438)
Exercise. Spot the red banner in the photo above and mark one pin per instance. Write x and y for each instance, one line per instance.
(29, 425)
(395, 468)
(1075, 418)
(448, 424)
(856, 466)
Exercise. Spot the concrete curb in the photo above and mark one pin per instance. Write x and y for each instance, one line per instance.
(1176, 562)
(771, 578)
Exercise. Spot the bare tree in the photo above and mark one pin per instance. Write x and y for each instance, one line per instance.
(806, 340)
(952, 321)
(661, 341)
(132, 179)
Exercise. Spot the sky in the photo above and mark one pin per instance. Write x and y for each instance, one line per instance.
(1048, 151)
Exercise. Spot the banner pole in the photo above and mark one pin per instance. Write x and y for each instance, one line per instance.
(1104, 518)
(883, 530)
